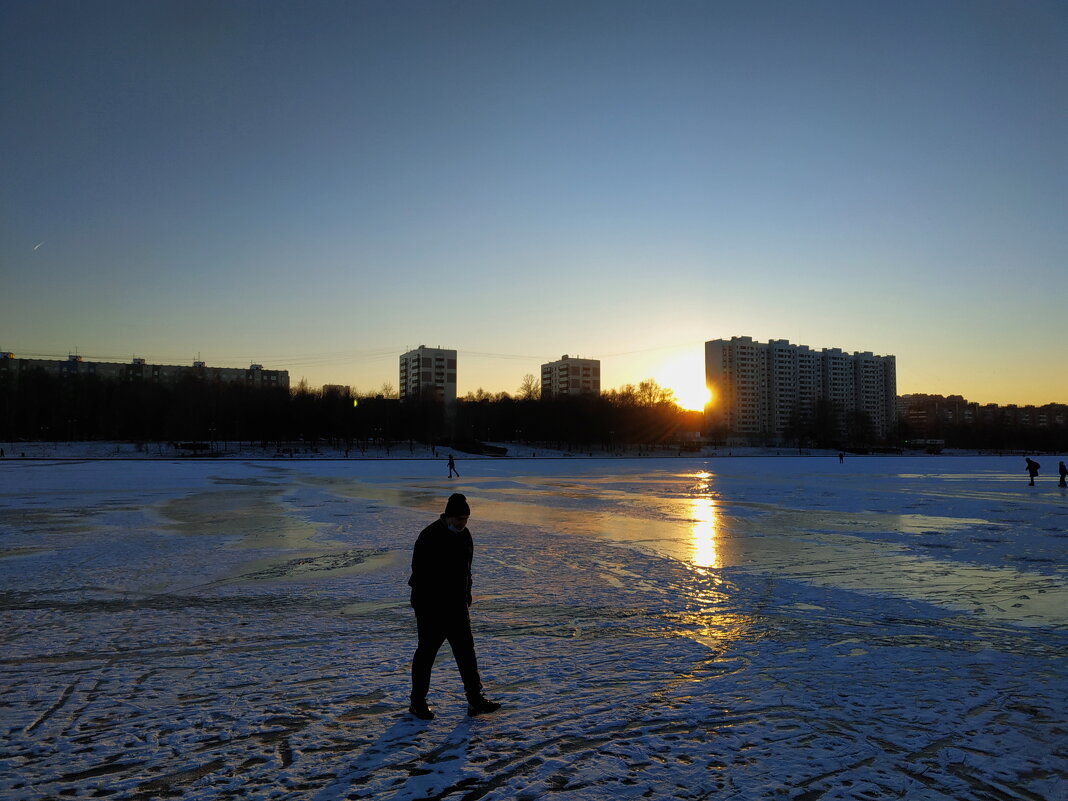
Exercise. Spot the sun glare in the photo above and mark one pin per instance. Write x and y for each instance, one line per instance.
(685, 376)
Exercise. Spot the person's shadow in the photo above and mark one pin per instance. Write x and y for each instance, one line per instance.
(429, 772)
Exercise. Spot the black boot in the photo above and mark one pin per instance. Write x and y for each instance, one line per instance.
(421, 710)
(480, 705)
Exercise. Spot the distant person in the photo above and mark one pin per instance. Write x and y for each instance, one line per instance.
(441, 596)
(841, 458)
(452, 467)
(1060, 469)
(1032, 469)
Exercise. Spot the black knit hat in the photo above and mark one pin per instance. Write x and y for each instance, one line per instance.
(457, 506)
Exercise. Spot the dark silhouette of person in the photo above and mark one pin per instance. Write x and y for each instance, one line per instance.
(441, 597)
(1032, 469)
(1064, 474)
(841, 458)
(452, 467)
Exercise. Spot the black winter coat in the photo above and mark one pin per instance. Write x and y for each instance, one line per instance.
(441, 566)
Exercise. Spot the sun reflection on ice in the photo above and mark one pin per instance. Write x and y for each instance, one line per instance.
(704, 532)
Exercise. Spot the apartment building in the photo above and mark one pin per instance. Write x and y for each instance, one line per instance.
(139, 370)
(570, 375)
(428, 372)
(875, 390)
(937, 415)
(763, 391)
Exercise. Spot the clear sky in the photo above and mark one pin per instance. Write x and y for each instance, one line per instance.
(319, 186)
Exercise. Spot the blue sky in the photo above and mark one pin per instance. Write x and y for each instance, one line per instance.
(320, 186)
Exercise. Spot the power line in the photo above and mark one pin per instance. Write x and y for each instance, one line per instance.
(649, 350)
(296, 360)
(325, 358)
(485, 355)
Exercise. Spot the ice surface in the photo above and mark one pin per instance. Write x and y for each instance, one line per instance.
(720, 628)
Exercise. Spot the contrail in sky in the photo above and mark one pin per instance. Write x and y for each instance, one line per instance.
(38, 245)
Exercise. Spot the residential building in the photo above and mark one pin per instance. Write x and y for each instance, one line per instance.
(939, 416)
(139, 370)
(570, 375)
(428, 372)
(768, 392)
(928, 416)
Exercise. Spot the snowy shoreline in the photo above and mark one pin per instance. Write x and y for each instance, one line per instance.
(127, 451)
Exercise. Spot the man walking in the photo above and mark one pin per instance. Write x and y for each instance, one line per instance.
(1032, 469)
(452, 467)
(441, 595)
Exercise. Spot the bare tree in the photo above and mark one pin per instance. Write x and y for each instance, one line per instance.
(651, 393)
(387, 390)
(530, 389)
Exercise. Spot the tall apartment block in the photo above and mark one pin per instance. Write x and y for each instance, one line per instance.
(139, 370)
(762, 390)
(428, 372)
(571, 376)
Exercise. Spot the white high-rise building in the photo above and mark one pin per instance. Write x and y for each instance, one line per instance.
(428, 372)
(766, 391)
(570, 376)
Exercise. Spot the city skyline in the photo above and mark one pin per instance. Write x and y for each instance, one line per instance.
(694, 400)
(320, 188)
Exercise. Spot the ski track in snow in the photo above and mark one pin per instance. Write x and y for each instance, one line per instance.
(691, 629)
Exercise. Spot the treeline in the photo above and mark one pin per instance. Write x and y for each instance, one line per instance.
(991, 435)
(40, 406)
(834, 427)
(632, 417)
(830, 426)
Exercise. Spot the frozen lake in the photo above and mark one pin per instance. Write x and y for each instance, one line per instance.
(731, 628)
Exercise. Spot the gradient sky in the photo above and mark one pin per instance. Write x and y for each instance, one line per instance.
(319, 186)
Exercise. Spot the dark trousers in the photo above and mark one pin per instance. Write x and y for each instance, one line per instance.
(436, 625)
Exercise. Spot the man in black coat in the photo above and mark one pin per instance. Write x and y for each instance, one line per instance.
(1032, 469)
(441, 595)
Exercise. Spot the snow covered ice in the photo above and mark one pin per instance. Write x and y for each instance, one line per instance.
(729, 628)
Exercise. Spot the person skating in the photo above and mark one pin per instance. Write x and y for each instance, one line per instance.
(1064, 474)
(441, 596)
(1032, 469)
(452, 467)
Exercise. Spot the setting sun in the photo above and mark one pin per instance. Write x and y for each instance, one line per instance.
(685, 376)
